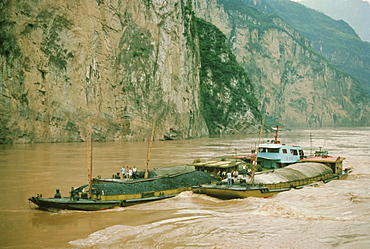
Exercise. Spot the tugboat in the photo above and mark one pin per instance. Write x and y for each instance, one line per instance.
(273, 155)
(268, 183)
(288, 170)
(308, 171)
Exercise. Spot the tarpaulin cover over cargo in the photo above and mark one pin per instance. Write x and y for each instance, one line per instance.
(293, 172)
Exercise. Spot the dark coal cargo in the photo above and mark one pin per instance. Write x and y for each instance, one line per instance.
(189, 179)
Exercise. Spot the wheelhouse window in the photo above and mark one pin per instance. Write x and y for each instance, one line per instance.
(285, 151)
(294, 152)
(269, 150)
(262, 150)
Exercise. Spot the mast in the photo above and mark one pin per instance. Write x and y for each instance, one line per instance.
(276, 134)
(89, 156)
(311, 144)
(150, 138)
(256, 156)
(146, 174)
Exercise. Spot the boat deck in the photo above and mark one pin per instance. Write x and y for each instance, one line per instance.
(321, 159)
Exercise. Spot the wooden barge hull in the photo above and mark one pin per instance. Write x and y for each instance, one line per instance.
(89, 204)
(67, 203)
(134, 198)
(234, 192)
(124, 193)
(261, 191)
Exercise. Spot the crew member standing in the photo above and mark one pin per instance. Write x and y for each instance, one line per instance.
(130, 173)
(127, 170)
(134, 170)
(229, 179)
(123, 172)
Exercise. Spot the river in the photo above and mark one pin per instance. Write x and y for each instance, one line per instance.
(333, 215)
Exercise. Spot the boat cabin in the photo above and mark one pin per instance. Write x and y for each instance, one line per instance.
(213, 167)
(273, 154)
(335, 163)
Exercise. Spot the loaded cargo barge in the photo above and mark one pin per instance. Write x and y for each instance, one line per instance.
(122, 193)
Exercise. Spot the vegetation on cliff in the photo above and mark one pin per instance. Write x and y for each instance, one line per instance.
(226, 92)
(109, 67)
(9, 54)
(295, 85)
(355, 12)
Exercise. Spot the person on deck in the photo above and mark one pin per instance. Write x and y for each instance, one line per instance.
(134, 170)
(229, 179)
(127, 170)
(129, 173)
(223, 175)
(249, 172)
(123, 172)
(244, 170)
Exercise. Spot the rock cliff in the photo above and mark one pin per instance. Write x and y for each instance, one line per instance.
(334, 39)
(295, 85)
(110, 67)
(115, 70)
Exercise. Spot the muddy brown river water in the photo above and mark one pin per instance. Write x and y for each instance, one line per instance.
(333, 215)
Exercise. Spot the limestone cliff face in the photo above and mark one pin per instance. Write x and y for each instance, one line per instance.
(294, 85)
(113, 66)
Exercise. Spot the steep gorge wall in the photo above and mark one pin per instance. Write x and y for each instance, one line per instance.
(113, 67)
(333, 39)
(294, 85)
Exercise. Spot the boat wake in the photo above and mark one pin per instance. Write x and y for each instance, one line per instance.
(114, 235)
(277, 209)
(107, 236)
(311, 204)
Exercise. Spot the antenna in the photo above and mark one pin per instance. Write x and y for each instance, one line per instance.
(276, 134)
(311, 143)
(150, 139)
(90, 162)
(256, 154)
